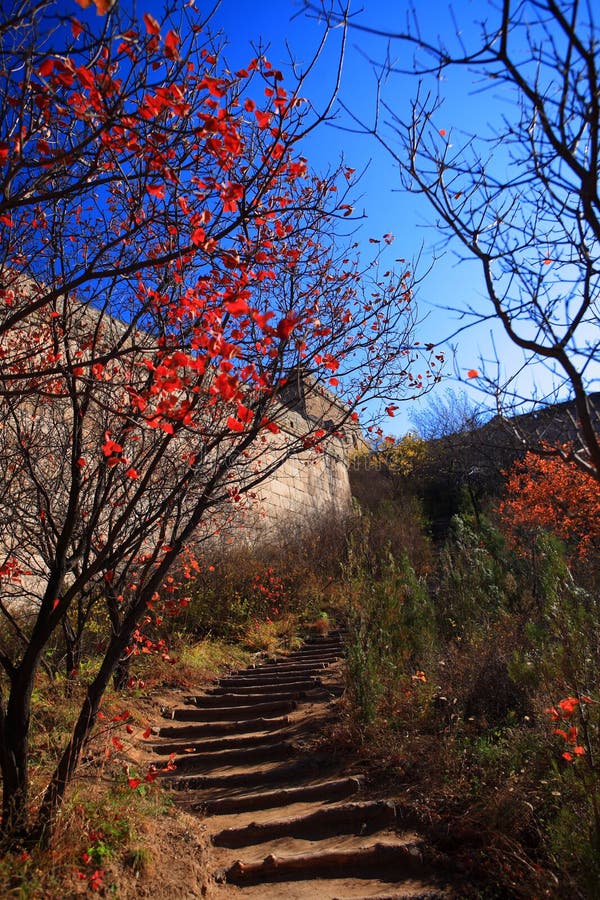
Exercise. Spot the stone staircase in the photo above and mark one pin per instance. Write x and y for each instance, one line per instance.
(285, 818)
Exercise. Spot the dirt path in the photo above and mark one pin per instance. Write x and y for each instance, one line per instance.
(286, 820)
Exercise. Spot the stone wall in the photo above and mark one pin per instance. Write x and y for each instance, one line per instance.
(308, 488)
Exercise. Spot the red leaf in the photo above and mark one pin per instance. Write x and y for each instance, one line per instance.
(263, 118)
(270, 426)
(238, 307)
(214, 86)
(134, 782)
(225, 385)
(152, 26)
(286, 326)
(46, 67)
(568, 705)
(156, 190)
(172, 45)
(472, 373)
(85, 77)
(147, 733)
(131, 473)
(234, 424)
(110, 446)
(117, 744)
(244, 414)
(76, 27)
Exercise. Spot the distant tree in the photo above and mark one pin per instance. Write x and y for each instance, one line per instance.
(167, 260)
(521, 197)
(396, 456)
(465, 455)
(447, 414)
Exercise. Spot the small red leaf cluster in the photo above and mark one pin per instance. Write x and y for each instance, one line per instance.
(570, 733)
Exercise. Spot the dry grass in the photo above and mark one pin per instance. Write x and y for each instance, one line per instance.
(111, 839)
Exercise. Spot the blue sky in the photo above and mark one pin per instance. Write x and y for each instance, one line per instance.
(387, 208)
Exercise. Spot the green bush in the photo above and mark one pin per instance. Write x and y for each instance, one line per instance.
(475, 583)
(390, 633)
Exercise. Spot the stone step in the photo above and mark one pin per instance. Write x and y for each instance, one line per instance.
(302, 768)
(403, 858)
(337, 636)
(227, 713)
(266, 680)
(351, 818)
(238, 726)
(278, 669)
(240, 686)
(327, 790)
(209, 745)
(196, 762)
(240, 700)
(305, 657)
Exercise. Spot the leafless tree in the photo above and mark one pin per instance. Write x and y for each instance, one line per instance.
(447, 414)
(519, 195)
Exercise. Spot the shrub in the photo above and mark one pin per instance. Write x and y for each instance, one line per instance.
(390, 631)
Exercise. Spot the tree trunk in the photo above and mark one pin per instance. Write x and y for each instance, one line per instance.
(63, 773)
(72, 655)
(46, 818)
(14, 753)
(121, 673)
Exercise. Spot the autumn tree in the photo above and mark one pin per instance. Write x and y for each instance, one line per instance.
(547, 494)
(169, 263)
(396, 456)
(520, 195)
